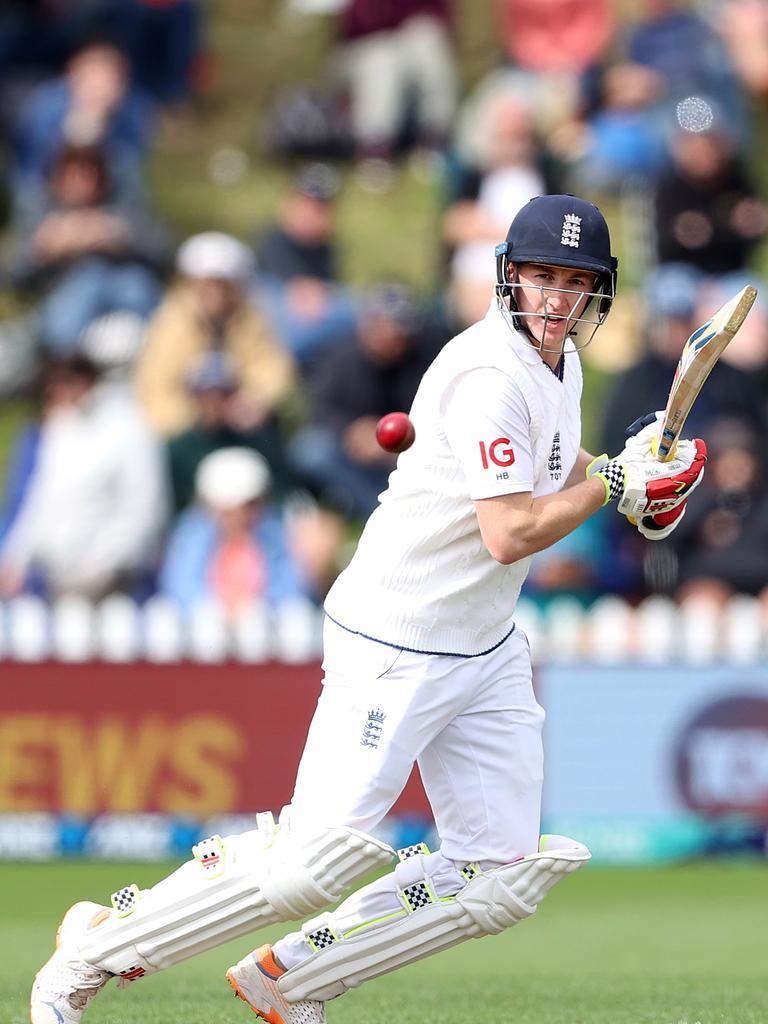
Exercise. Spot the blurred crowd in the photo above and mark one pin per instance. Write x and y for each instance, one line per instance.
(206, 406)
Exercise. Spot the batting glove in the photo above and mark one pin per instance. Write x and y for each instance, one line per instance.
(660, 526)
(641, 486)
(642, 435)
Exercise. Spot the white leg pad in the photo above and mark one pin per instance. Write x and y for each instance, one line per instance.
(490, 902)
(232, 886)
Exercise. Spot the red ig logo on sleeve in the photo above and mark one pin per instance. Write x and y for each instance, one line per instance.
(498, 452)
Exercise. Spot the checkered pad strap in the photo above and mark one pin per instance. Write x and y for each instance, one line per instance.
(412, 851)
(209, 853)
(414, 887)
(124, 900)
(470, 871)
(319, 932)
(322, 938)
(419, 894)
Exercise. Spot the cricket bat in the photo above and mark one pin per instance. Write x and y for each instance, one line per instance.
(700, 353)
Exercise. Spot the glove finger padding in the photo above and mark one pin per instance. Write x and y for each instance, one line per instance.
(660, 526)
(652, 487)
(642, 435)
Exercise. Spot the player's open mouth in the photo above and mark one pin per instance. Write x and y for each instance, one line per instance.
(551, 320)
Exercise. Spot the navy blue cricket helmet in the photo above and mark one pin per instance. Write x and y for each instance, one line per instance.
(563, 231)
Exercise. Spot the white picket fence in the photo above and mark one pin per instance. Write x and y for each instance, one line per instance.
(610, 631)
(118, 630)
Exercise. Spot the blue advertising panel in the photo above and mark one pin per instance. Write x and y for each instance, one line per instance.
(647, 762)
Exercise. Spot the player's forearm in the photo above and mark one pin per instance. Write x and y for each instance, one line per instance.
(556, 515)
(641, 485)
(511, 535)
(579, 470)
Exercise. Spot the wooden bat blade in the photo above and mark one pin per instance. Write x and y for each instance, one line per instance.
(699, 355)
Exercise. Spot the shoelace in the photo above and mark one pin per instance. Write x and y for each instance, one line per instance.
(89, 983)
(80, 997)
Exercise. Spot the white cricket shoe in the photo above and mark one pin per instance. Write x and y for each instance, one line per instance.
(65, 985)
(254, 979)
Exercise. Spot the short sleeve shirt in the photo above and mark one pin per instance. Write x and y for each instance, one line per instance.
(488, 426)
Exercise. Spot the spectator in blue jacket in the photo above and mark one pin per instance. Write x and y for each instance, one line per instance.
(86, 253)
(229, 548)
(681, 44)
(92, 104)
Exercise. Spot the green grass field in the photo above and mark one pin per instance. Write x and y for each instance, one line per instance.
(678, 945)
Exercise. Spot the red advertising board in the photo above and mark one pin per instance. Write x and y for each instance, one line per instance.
(184, 739)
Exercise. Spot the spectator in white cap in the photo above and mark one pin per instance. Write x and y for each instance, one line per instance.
(229, 548)
(214, 254)
(113, 342)
(209, 310)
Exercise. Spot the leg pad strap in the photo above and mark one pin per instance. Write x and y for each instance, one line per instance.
(231, 886)
(490, 902)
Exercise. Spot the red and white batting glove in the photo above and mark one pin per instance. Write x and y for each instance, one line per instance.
(660, 526)
(642, 438)
(641, 486)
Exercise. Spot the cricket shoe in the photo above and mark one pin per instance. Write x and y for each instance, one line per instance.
(255, 978)
(65, 985)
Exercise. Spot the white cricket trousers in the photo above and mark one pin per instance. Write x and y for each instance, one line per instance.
(473, 725)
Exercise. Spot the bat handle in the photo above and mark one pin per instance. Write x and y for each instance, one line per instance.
(665, 445)
(661, 447)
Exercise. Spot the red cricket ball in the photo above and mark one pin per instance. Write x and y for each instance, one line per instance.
(395, 432)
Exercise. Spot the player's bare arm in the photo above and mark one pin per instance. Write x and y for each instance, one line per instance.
(579, 471)
(514, 526)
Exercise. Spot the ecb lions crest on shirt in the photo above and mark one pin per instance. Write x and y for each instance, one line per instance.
(555, 461)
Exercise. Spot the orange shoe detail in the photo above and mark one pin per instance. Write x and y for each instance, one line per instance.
(273, 1017)
(266, 961)
(93, 923)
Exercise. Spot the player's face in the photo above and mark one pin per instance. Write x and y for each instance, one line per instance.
(549, 299)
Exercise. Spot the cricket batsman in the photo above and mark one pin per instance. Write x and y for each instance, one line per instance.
(423, 663)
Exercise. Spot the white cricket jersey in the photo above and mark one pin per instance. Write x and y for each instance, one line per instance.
(491, 418)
